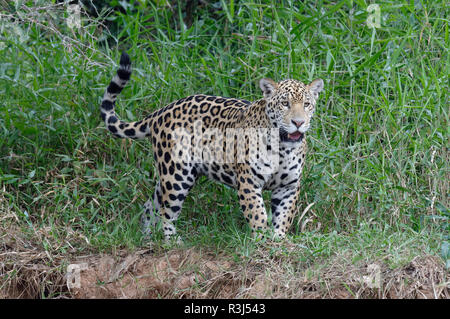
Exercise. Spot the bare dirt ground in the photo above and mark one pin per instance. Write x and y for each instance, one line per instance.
(27, 272)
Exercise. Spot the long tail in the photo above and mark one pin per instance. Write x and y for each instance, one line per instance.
(119, 128)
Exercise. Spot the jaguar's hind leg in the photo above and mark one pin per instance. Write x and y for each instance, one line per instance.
(151, 216)
(175, 188)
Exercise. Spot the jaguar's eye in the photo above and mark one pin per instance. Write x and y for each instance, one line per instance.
(306, 105)
(285, 103)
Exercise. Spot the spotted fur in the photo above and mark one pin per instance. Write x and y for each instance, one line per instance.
(287, 106)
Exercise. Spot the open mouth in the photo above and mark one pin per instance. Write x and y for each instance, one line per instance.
(296, 136)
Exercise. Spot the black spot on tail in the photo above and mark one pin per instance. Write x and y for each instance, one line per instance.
(113, 88)
(130, 132)
(124, 71)
(113, 119)
(112, 128)
(107, 105)
(125, 59)
(124, 74)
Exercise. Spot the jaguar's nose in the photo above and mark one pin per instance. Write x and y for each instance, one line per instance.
(298, 123)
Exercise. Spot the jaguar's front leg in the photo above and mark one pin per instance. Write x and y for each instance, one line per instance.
(284, 209)
(252, 205)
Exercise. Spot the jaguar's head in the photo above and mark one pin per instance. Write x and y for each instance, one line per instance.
(290, 105)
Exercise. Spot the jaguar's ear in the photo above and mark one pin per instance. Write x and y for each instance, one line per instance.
(316, 87)
(268, 86)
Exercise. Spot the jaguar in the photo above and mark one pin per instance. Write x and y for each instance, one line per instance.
(249, 146)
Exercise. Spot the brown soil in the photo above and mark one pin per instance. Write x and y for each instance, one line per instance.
(193, 273)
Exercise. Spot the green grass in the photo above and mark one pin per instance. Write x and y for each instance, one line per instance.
(378, 166)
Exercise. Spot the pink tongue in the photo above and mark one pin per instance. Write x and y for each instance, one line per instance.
(295, 136)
